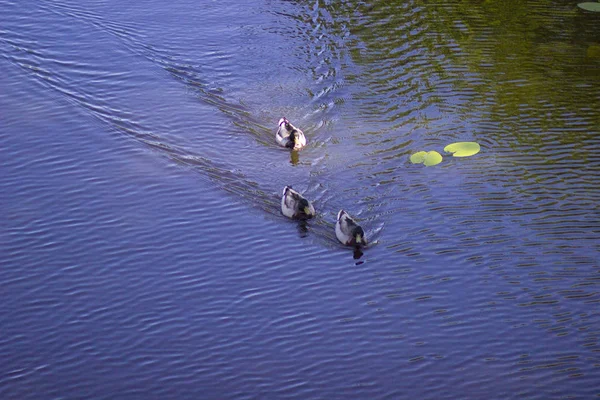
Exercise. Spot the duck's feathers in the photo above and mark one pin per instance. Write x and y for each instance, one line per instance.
(289, 136)
(294, 205)
(348, 231)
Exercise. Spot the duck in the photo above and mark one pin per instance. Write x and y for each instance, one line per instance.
(348, 231)
(289, 136)
(295, 206)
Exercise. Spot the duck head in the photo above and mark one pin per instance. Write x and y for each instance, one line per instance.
(304, 206)
(294, 140)
(358, 236)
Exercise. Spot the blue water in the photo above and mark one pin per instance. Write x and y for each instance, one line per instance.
(142, 251)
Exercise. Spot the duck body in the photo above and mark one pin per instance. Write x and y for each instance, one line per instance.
(294, 205)
(289, 136)
(348, 231)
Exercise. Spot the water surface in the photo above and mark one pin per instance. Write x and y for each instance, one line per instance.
(143, 253)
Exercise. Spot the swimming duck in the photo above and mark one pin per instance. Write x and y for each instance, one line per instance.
(293, 205)
(289, 136)
(348, 231)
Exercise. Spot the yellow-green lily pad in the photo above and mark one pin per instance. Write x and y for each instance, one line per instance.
(590, 6)
(428, 158)
(418, 157)
(463, 149)
(432, 158)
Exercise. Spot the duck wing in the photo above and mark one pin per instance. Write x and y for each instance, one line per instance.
(348, 224)
(292, 199)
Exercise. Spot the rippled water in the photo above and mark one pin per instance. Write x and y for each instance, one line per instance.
(142, 250)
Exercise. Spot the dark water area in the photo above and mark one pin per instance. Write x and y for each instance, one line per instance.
(142, 249)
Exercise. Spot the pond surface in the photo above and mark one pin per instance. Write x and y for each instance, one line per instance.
(142, 249)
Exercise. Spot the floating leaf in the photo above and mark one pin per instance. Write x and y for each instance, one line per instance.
(463, 149)
(428, 158)
(589, 6)
(418, 158)
(432, 158)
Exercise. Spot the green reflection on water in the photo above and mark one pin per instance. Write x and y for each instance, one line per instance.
(531, 68)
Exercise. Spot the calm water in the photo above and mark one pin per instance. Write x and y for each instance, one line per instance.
(142, 251)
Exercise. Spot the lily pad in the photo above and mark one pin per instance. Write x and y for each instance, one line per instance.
(463, 149)
(590, 6)
(428, 158)
(418, 158)
(432, 158)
